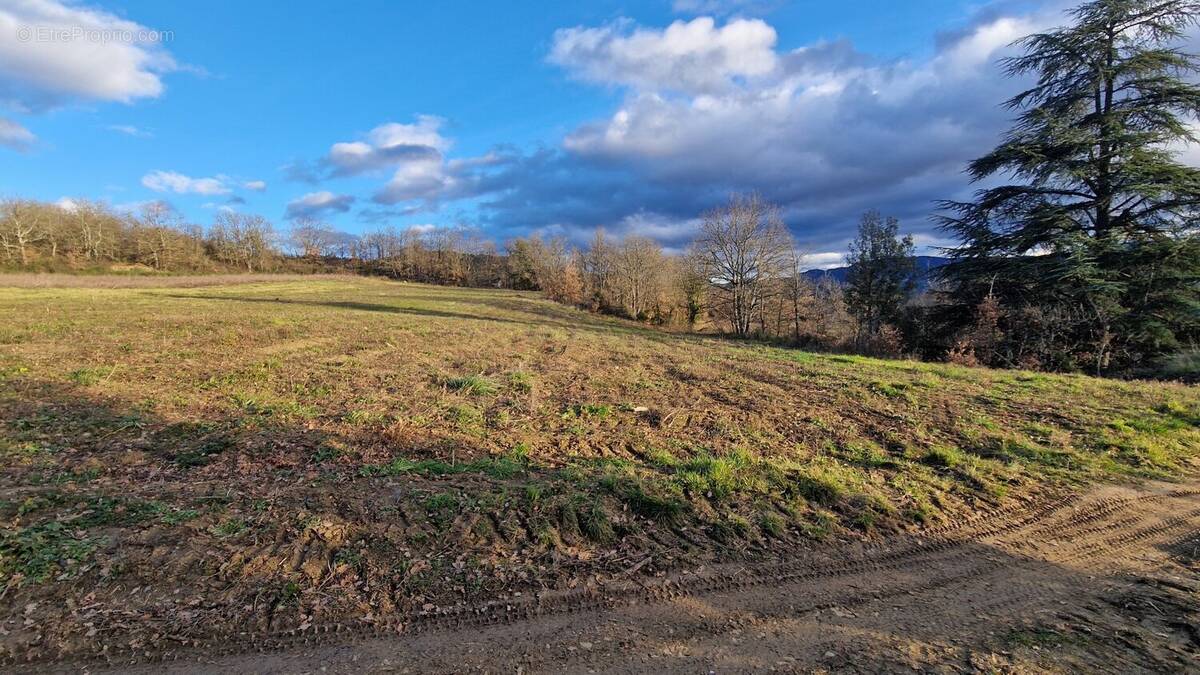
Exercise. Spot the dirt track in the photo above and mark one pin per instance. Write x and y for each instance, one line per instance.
(1107, 582)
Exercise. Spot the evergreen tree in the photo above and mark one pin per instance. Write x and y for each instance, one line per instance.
(1098, 227)
(880, 279)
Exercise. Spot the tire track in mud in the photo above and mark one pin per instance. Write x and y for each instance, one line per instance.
(1011, 529)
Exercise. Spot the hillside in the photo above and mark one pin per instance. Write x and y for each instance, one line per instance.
(926, 265)
(285, 454)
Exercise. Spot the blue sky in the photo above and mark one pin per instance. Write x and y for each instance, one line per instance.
(521, 117)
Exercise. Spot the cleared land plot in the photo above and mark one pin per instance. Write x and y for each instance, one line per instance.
(187, 463)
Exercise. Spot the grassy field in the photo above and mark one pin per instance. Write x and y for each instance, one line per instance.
(253, 456)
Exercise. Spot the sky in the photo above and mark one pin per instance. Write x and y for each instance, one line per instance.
(511, 118)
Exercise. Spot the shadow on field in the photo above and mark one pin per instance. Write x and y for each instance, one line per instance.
(545, 316)
(359, 306)
(60, 433)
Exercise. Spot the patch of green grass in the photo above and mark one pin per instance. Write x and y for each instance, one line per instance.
(231, 527)
(771, 524)
(892, 390)
(868, 454)
(521, 381)
(818, 525)
(442, 507)
(44, 551)
(89, 376)
(503, 466)
(942, 457)
(362, 418)
(466, 418)
(819, 485)
(472, 385)
(720, 478)
(730, 528)
(655, 503)
(68, 476)
(193, 444)
(1033, 637)
(595, 523)
(588, 410)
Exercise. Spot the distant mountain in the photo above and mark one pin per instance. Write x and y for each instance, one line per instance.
(926, 264)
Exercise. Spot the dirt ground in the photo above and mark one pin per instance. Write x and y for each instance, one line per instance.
(1105, 582)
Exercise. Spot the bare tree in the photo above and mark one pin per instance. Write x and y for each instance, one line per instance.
(157, 236)
(243, 240)
(797, 291)
(20, 228)
(312, 238)
(744, 245)
(638, 268)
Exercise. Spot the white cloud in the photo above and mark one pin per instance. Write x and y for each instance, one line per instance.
(316, 203)
(170, 181)
(129, 130)
(66, 204)
(389, 145)
(255, 185)
(15, 136)
(825, 260)
(825, 130)
(690, 56)
(416, 179)
(52, 53)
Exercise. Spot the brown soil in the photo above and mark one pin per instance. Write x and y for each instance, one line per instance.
(1105, 582)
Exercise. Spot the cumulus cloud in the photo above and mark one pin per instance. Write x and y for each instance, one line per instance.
(388, 145)
(693, 56)
(53, 53)
(316, 203)
(414, 153)
(825, 130)
(171, 181)
(15, 136)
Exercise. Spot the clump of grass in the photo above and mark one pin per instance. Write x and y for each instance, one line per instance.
(229, 528)
(362, 418)
(521, 381)
(819, 485)
(595, 523)
(730, 528)
(465, 417)
(819, 525)
(720, 477)
(327, 452)
(442, 507)
(472, 385)
(644, 501)
(89, 376)
(868, 455)
(771, 523)
(892, 390)
(942, 457)
(174, 516)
